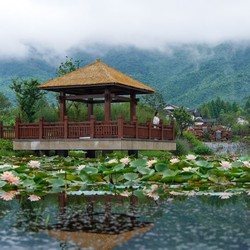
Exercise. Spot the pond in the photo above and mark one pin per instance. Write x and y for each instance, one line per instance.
(183, 221)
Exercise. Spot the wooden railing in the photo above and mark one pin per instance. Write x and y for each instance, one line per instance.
(87, 129)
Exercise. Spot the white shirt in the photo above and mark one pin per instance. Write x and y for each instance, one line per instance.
(156, 120)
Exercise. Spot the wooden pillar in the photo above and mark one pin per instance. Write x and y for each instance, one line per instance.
(41, 121)
(92, 126)
(107, 105)
(62, 106)
(133, 103)
(65, 127)
(17, 132)
(90, 107)
(135, 122)
(120, 126)
(149, 125)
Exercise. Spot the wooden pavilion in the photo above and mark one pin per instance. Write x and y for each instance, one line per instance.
(92, 84)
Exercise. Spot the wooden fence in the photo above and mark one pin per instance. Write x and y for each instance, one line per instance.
(87, 129)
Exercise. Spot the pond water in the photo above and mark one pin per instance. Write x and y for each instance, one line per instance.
(115, 222)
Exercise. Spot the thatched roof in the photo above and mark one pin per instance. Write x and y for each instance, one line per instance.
(96, 75)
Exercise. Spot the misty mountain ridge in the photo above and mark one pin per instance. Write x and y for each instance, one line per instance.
(185, 75)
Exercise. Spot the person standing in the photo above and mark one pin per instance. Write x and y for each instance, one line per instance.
(156, 120)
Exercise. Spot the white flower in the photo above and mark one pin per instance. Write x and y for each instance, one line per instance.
(60, 171)
(248, 192)
(34, 197)
(174, 160)
(187, 169)
(246, 164)
(81, 167)
(112, 161)
(126, 193)
(225, 165)
(190, 157)
(125, 160)
(225, 196)
(191, 193)
(175, 193)
(34, 164)
(151, 162)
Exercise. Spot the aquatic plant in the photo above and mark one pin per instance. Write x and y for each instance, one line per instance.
(142, 177)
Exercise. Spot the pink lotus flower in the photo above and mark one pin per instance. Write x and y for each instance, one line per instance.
(150, 163)
(5, 176)
(34, 164)
(34, 197)
(190, 157)
(174, 160)
(9, 177)
(8, 196)
(152, 193)
(225, 165)
(125, 160)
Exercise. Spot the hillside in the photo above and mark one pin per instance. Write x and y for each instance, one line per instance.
(185, 75)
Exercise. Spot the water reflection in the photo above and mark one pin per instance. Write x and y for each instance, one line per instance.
(95, 228)
(114, 222)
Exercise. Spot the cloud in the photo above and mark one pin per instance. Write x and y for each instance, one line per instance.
(55, 26)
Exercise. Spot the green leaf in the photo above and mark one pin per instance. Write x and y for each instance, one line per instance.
(138, 163)
(90, 170)
(161, 167)
(85, 177)
(130, 176)
(145, 170)
(237, 164)
(169, 172)
(29, 183)
(119, 167)
(2, 183)
(57, 183)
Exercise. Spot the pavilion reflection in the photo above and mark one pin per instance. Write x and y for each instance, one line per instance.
(101, 230)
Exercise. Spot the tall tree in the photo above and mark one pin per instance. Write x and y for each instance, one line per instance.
(5, 104)
(27, 95)
(183, 118)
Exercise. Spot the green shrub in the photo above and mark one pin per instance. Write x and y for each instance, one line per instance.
(6, 144)
(192, 139)
(203, 150)
(182, 147)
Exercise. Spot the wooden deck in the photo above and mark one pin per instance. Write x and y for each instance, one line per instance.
(89, 135)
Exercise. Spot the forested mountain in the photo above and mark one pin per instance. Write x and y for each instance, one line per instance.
(185, 75)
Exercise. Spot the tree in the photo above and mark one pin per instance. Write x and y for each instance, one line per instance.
(5, 104)
(68, 66)
(28, 95)
(155, 101)
(183, 118)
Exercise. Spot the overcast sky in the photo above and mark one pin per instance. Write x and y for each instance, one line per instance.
(55, 26)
